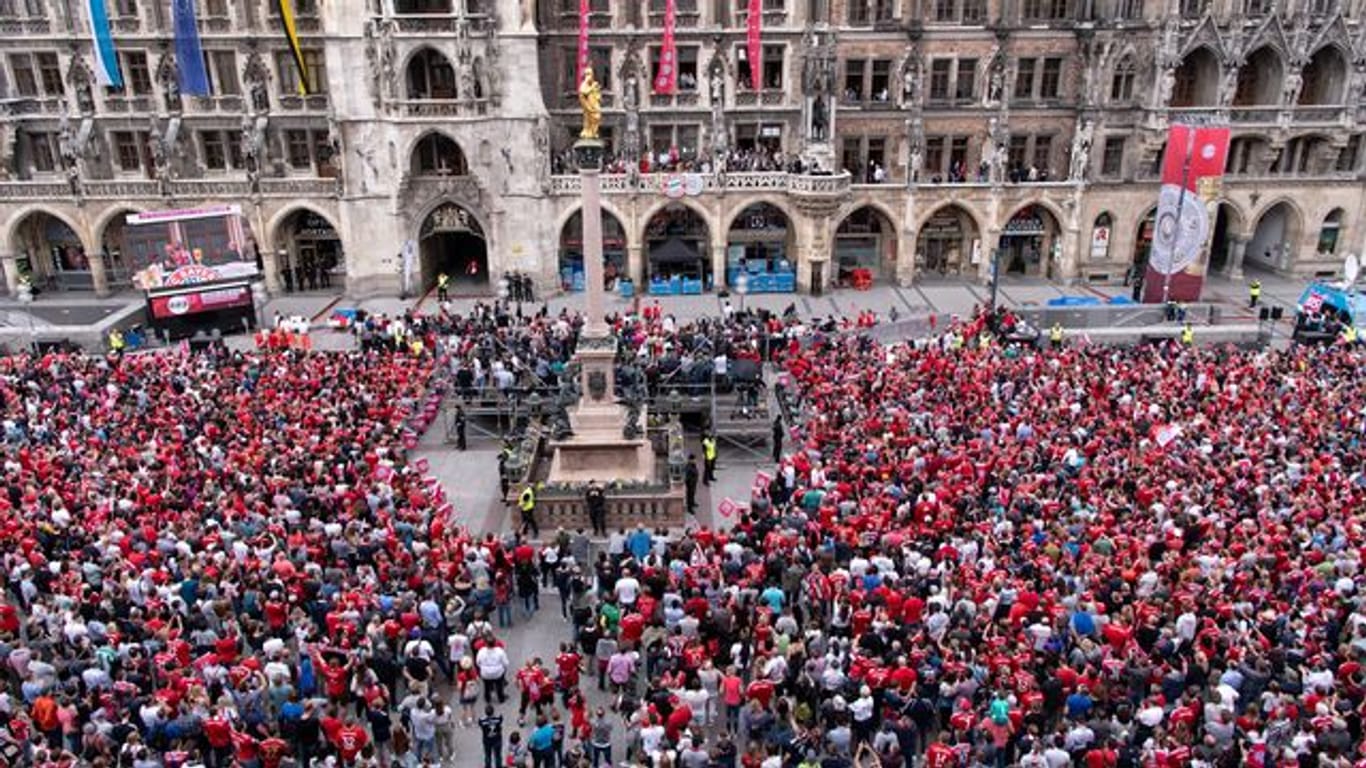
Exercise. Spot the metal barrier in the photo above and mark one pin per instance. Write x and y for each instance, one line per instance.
(654, 507)
(1132, 316)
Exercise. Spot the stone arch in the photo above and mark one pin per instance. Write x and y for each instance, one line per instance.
(428, 74)
(678, 246)
(617, 256)
(866, 236)
(1325, 76)
(12, 225)
(1260, 78)
(1031, 239)
(118, 266)
(1197, 79)
(274, 224)
(452, 250)
(64, 262)
(655, 208)
(1276, 235)
(758, 246)
(316, 257)
(868, 201)
(943, 252)
(739, 208)
(434, 138)
(1042, 202)
(1229, 222)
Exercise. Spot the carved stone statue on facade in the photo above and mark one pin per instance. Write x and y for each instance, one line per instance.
(161, 156)
(493, 72)
(372, 66)
(338, 148)
(257, 78)
(70, 153)
(79, 77)
(7, 138)
(388, 60)
(251, 153)
(1166, 84)
(719, 138)
(820, 119)
(630, 97)
(1081, 150)
(1228, 83)
(540, 136)
(1291, 88)
(911, 80)
(168, 76)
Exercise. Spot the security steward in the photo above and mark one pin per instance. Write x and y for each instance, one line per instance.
(526, 503)
(1254, 293)
(1187, 335)
(116, 342)
(443, 282)
(1349, 334)
(1055, 335)
(708, 458)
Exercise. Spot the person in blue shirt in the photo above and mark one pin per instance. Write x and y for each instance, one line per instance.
(1079, 704)
(542, 743)
(774, 597)
(1083, 623)
(639, 543)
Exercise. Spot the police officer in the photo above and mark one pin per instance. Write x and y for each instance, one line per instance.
(1254, 293)
(443, 282)
(595, 499)
(1055, 335)
(460, 427)
(1187, 335)
(708, 458)
(526, 503)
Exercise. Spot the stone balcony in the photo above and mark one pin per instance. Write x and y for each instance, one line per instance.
(440, 24)
(746, 181)
(147, 189)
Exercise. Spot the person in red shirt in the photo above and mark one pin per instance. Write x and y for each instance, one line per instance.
(350, 740)
(273, 751)
(218, 733)
(336, 679)
(568, 665)
(940, 755)
(245, 748)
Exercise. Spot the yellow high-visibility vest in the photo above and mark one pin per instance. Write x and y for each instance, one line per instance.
(442, 280)
(1349, 334)
(1055, 333)
(527, 501)
(709, 448)
(1187, 335)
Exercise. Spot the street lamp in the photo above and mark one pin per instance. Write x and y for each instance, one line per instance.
(742, 288)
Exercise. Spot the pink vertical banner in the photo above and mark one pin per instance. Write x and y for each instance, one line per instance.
(582, 62)
(666, 77)
(754, 20)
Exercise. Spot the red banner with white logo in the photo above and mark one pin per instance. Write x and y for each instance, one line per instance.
(1191, 168)
(582, 58)
(666, 76)
(753, 21)
(207, 300)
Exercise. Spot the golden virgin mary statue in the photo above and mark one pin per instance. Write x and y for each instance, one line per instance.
(590, 101)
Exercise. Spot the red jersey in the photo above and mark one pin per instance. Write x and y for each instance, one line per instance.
(273, 751)
(568, 666)
(940, 756)
(218, 732)
(351, 740)
(335, 679)
(244, 746)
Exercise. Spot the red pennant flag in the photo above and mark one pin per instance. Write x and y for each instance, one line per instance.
(755, 50)
(666, 76)
(582, 62)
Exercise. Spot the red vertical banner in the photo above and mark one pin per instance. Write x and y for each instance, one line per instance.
(754, 21)
(582, 58)
(1191, 168)
(666, 74)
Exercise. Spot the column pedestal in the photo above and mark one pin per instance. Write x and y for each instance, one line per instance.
(99, 276)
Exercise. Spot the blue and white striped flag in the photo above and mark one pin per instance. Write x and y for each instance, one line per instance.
(106, 61)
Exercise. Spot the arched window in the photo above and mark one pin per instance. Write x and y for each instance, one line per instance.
(1329, 232)
(438, 155)
(430, 76)
(1122, 84)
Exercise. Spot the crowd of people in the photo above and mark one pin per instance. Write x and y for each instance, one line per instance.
(969, 554)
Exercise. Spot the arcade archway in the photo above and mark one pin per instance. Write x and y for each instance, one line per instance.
(115, 250)
(1275, 239)
(949, 242)
(309, 253)
(1029, 242)
(51, 253)
(676, 240)
(451, 242)
(866, 239)
(760, 244)
(1226, 225)
(571, 251)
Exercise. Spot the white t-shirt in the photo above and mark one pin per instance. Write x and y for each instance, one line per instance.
(627, 590)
